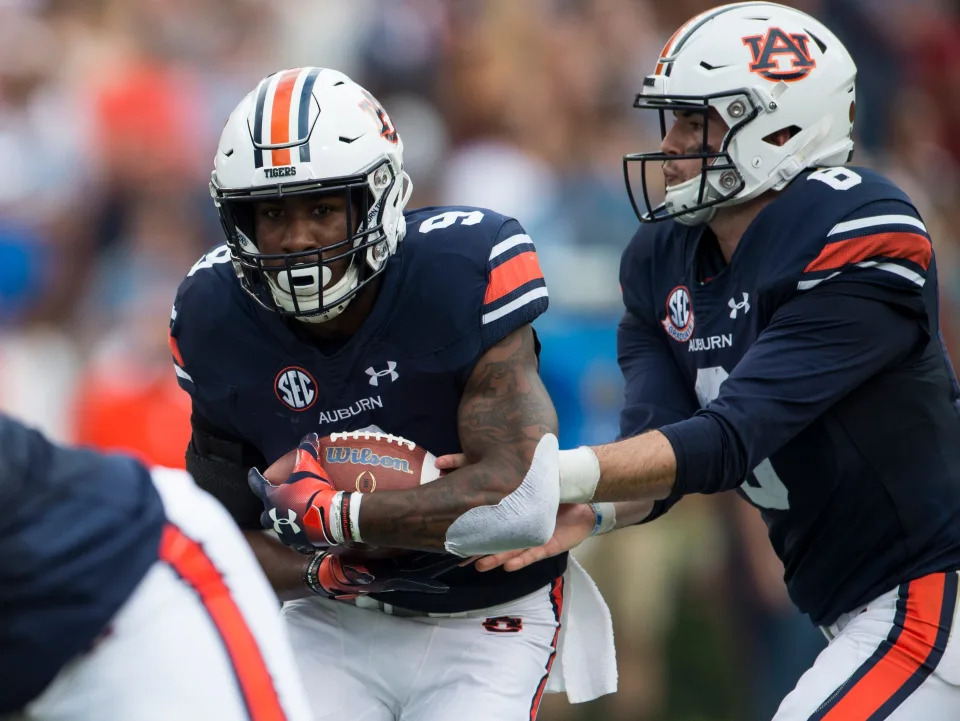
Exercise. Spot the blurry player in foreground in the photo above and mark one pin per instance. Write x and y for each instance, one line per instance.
(781, 338)
(127, 593)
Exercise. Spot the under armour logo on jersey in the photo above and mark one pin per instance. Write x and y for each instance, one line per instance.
(279, 523)
(376, 375)
(743, 305)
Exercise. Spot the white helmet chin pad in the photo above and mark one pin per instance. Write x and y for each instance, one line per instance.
(304, 300)
(683, 196)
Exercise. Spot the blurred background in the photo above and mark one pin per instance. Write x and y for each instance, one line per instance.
(109, 115)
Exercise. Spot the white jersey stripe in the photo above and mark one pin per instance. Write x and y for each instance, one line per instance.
(894, 268)
(514, 305)
(512, 242)
(876, 220)
(808, 284)
(182, 373)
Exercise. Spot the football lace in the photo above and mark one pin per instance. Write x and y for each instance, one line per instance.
(368, 435)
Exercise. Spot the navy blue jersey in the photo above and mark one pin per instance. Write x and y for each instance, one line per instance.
(79, 530)
(809, 374)
(463, 279)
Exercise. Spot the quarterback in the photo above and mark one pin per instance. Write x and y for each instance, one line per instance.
(781, 339)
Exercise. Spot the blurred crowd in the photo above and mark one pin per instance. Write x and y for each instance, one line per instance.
(109, 115)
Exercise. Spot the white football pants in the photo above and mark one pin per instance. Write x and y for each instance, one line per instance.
(370, 665)
(895, 659)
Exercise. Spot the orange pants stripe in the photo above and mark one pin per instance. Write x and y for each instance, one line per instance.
(905, 659)
(556, 597)
(187, 558)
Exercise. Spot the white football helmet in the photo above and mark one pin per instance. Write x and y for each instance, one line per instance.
(764, 67)
(310, 130)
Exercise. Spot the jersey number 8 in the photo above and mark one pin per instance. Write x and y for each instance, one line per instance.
(764, 489)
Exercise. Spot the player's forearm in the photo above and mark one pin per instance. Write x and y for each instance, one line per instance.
(282, 566)
(630, 513)
(504, 412)
(418, 519)
(642, 468)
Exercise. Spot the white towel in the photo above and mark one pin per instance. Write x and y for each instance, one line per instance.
(586, 662)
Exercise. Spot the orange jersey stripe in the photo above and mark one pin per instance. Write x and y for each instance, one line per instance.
(187, 558)
(910, 246)
(280, 116)
(509, 276)
(175, 350)
(556, 595)
(913, 646)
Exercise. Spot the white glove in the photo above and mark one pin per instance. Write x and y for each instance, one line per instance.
(523, 519)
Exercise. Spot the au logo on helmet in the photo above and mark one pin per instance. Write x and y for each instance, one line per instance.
(372, 106)
(779, 55)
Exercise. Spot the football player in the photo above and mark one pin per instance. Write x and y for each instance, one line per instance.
(331, 307)
(127, 594)
(781, 339)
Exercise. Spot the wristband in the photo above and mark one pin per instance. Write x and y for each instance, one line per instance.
(340, 522)
(354, 520)
(310, 578)
(606, 514)
(579, 475)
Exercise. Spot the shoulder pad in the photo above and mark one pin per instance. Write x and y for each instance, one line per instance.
(849, 221)
(476, 268)
(206, 296)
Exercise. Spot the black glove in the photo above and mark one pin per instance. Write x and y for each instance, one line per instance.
(343, 577)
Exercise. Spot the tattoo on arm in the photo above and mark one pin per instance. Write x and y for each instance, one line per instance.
(504, 411)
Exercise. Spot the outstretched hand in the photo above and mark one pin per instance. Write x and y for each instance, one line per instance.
(575, 522)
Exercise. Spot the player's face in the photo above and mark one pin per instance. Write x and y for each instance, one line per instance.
(302, 223)
(685, 136)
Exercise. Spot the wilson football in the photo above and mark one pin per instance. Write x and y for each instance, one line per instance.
(368, 461)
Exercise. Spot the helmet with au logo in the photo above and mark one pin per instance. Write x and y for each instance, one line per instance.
(311, 130)
(764, 68)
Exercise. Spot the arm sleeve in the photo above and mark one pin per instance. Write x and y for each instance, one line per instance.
(219, 465)
(818, 347)
(654, 392)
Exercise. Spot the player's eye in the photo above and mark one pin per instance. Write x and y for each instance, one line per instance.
(271, 212)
